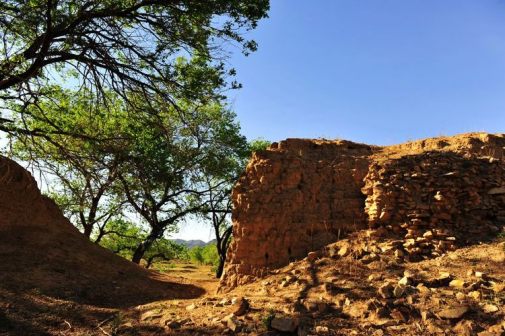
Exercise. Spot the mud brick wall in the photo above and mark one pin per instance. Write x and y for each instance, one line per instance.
(294, 198)
(436, 201)
(428, 196)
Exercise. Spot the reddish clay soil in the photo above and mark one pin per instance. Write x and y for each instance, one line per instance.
(53, 280)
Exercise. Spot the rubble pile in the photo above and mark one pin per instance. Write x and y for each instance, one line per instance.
(434, 202)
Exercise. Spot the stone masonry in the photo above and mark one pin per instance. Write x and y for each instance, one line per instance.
(301, 194)
(435, 202)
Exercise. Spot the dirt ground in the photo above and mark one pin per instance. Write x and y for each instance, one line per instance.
(330, 295)
(340, 295)
(109, 308)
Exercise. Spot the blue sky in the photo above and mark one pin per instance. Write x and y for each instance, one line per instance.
(373, 71)
(379, 72)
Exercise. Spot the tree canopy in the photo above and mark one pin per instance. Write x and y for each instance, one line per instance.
(162, 50)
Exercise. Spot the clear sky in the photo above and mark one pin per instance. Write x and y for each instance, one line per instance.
(373, 71)
(379, 72)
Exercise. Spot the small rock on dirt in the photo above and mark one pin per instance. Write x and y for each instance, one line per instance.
(386, 291)
(191, 307)
(499, 287)
(464, 327)
(344, 251)
(234, 324)
(475, 295)
(284, 324)
(239, 307)
(321, 330)
(150, 315)
(312, 256)
(454, 313)
(173, 325)
(457, 283)
(489, 308)
(405, 281)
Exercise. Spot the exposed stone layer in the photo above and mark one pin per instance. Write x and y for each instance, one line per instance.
(301, 194)
(435, 201)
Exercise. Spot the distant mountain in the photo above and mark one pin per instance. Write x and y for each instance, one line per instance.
(193, 243)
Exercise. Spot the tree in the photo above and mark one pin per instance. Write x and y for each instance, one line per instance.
(163, 177)
(160, 165)
(85, 170)
(124, 236)
(148, 77)
(123, 46)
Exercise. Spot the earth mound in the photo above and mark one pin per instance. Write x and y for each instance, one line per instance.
(52, 278)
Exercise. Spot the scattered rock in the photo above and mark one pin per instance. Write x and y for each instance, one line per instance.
(173, 325)
(234, 324)
(312, 256)
(344, 251)
(434, 327)
(239, 307)
(460, 296)
(284, 324)
(480, 275)
(322, 307)
(443, 279)
(423, 289)
(425, 315)
(384, 323)
(490, 308)
(386, 290)
(454, 313)
(125, 328)
(464, 327)
(499, 287)
(496, 191)
(150, 315)
(497, 328)
(458, 284)
(486, 333)
(398, 291)
(475, 295)
(321, 330)
(405, 281)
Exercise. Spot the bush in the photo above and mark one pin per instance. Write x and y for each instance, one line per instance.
(205, 255)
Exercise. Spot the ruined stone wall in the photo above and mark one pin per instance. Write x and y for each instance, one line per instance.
(302, 194)
(294, 198)
(435, 201)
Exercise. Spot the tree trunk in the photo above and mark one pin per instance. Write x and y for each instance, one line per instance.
(139, 252)
(87, 230)
(145, 245)
(100, 236)
(220, 267)
(222, 248)
(149, 262)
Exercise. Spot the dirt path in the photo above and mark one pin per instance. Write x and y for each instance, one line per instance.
(112, 307)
